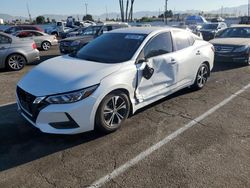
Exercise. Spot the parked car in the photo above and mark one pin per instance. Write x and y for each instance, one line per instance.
(76, 33)
(187, 28)
(57, 30)
(233, 45)
(195, 20)
(65, 34)
(210, 30)
(15, 52)
(14, 29)
(42, 40)
(73, 44)
(111, 77)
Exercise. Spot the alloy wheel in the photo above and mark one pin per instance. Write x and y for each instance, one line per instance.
(202, 76)
(16, 62)
(115, 111)
(46, 46)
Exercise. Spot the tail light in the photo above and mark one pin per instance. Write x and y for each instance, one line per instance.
(34, 46)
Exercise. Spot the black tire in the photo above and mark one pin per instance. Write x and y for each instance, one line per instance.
(109, 118)
(45, 45)
(15, 62)
(248, 62)
(201, 77)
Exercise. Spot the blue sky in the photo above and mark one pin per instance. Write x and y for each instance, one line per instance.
(97, 7)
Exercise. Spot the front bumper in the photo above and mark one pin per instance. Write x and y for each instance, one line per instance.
(232, 57)
(77, 117)
(208, 36)
(68, 49)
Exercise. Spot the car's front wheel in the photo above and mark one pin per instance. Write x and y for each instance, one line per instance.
(201, 77)
(112, 112)
(15, 62)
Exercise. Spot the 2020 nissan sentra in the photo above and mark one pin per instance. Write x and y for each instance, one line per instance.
(15, 52)
(111, 77)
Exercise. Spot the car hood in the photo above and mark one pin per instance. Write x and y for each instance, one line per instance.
(76, 38)
(231, 41)
(64, 74)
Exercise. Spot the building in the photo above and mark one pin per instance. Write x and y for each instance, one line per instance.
(1, 21)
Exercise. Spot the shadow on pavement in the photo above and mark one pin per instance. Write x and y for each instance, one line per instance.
(21, 143)
(224, 66)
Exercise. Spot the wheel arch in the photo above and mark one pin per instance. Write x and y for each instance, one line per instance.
(208, 65)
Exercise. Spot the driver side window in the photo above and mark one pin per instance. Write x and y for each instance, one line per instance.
(159, 45)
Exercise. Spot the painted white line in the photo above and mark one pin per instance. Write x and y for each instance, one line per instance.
(102, 181)
(7, 104)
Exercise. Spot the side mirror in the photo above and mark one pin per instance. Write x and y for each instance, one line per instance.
(148, 72)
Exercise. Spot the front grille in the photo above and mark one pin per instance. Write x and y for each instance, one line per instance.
(26, 102)
(223, 49)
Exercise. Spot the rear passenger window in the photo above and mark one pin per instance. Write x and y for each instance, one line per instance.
(182, 40)
(159, 45)
(4, 40)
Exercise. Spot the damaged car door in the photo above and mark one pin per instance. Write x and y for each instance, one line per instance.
(157, 68)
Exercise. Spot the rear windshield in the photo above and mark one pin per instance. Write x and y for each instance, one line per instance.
(112, 48)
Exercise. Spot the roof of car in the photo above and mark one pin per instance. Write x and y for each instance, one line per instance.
(143, 30)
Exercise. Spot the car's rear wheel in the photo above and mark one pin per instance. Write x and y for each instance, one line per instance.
(46, 46)
(15, 62)
(202, 77)
(112, 112)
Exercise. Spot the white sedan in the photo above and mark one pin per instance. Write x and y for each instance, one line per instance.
(111, 78)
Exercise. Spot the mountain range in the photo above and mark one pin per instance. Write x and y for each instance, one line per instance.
(239, 10)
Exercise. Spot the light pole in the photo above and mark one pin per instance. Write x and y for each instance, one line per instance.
(86, 7)
(248, 8)
(165, 13)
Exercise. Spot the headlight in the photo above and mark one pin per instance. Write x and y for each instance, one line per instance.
(72, 96)
(76, 43)
(241, 49)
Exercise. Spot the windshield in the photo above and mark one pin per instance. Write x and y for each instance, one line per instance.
(237, 32)
(112, 48)
(92, 30)
(210, 26)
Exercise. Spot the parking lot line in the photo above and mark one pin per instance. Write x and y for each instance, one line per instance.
(102, 181)
(7, 104)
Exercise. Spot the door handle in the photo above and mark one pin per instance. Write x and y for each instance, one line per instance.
(198, 52)
(173, 61)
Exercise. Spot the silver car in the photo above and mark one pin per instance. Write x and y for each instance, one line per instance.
(42, 40)
(15, 52)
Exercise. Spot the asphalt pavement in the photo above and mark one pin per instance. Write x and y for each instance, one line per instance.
(215, 152)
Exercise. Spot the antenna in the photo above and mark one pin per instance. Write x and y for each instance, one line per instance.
(27, 5)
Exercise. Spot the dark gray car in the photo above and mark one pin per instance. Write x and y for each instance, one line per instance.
(210, 30)
(73, 44)
(233, 45)
(15, 52)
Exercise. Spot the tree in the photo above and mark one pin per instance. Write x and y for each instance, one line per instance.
(168, 14)
(88, 17)
(48, 20)
(40, 20)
